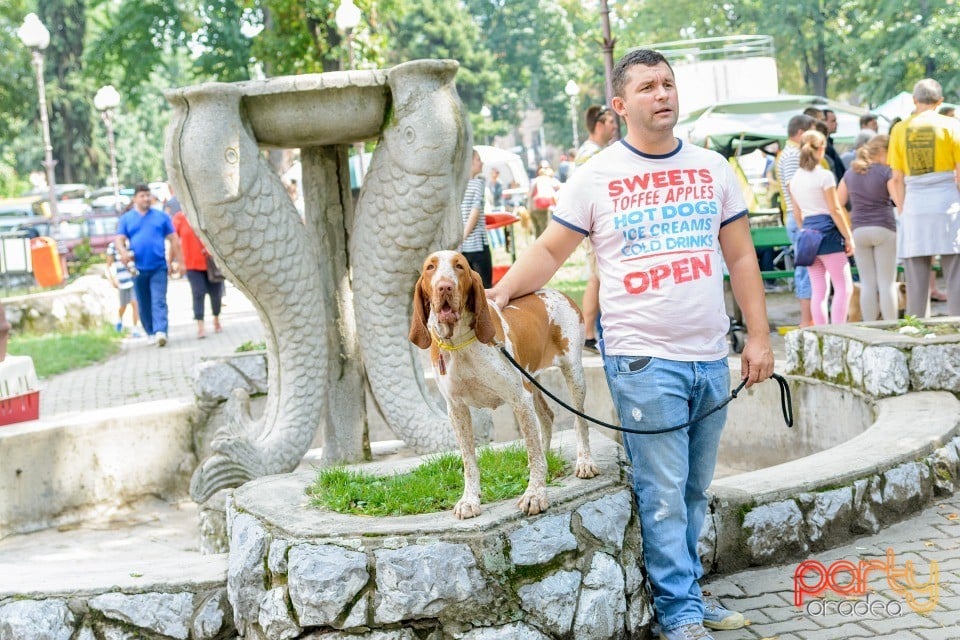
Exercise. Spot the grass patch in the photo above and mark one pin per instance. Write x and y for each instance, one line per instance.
(54, 353)
(918, 326)
(250, 345)
(434, 486)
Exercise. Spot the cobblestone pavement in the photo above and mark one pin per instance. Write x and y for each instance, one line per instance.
(142, 372)
(766, 596)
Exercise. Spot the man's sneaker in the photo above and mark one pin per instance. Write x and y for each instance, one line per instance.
(692, 631)
(718, 617)
(152, 339)
(118, 327)
(161, 339)
(590, 344)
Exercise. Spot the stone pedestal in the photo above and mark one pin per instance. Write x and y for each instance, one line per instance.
(575, 571)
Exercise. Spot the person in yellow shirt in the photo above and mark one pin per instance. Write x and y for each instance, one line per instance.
(925, 157)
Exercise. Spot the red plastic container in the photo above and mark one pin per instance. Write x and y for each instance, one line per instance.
(499, 270)
(20, 408)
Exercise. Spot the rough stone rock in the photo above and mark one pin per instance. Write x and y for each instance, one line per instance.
(829, 514)
(866, 501)
(421, 581)
(275, 619)
(358, 615)
(542, 540)
(277, 558)
(86, 303)
(935, 367)
(792, 346)
(212, 617)
(833, 356)
(214, 380)
(943, 463)
(607, 518)
(774, 530)
(905, 488)
(706, 543)
(392, 634)
(245, 570)
(602, 609)
(633, 579)
(323, 579)
(639, 613)
(855, 362)
(811, 353)
(212, 518)
(885, 371)
(113, 632)
(553, 600)
(36, 620)
(168, 614)
(85, 633)
(513, 631)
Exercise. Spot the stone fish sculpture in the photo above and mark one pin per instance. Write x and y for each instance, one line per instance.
(294, 272)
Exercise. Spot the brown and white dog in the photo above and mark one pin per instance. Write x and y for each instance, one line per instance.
(452, 318)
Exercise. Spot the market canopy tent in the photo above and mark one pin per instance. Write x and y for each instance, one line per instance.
(733, 128)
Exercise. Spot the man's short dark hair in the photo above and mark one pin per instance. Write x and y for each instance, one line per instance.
(798, 123)
(141, 187)
(646, 57)
(866, 119)
(594, 114)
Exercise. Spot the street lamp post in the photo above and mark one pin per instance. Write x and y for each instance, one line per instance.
(572, 90)
(36, 38)
(347, 18)
(106, 100)
(486, 114)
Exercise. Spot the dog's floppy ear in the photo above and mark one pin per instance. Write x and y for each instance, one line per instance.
(482, 321)
(419, 334)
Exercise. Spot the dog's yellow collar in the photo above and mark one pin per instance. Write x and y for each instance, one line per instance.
(454, 346)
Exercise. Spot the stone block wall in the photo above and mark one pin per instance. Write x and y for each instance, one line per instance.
(202, 614)
(877, 361)
(573, 572)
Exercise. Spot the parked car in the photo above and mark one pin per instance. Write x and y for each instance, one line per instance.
(72, 198)
(103, 200)
(17, 211)
(71, 231)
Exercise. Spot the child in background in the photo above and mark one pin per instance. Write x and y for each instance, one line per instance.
(120, 277)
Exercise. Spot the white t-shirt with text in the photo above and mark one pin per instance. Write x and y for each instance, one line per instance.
(654, 222)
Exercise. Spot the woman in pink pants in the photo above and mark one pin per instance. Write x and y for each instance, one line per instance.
(813, 191)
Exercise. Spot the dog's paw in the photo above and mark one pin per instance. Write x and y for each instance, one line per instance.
(586, 467)
(533, 501)
(467, 508)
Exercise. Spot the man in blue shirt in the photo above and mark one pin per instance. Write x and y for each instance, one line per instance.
(141, 237)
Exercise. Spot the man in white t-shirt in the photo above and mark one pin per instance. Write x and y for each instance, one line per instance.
(659, 213)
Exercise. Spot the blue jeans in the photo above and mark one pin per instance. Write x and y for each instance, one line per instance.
(151, 289)
(671, 471)
(801, 279)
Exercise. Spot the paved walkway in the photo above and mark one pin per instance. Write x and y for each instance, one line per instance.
(141, 371)
(765, 596)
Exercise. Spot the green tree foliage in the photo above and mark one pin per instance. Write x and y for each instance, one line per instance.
(443, 29)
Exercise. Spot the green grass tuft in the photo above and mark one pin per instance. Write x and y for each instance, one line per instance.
(434, 486)
(55, 353)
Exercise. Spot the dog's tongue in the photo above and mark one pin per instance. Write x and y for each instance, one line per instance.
(448, 315)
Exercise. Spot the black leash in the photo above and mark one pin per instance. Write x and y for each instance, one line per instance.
(786, 402)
